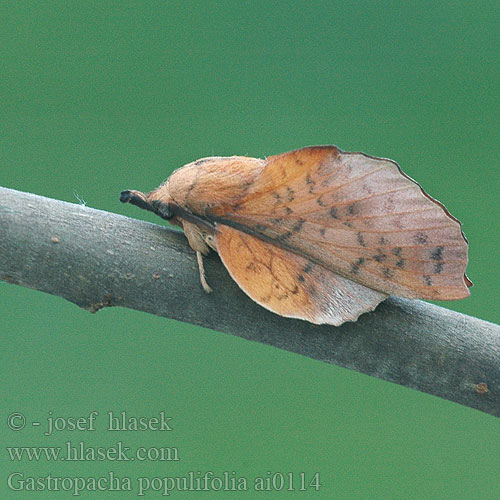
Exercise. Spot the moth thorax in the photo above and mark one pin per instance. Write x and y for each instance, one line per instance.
(213, 181)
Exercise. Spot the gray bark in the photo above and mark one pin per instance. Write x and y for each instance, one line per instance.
(97, 259)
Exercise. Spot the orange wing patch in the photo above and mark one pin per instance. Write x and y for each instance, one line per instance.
(289, 284)
(357, 216)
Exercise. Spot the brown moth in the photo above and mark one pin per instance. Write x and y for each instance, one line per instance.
(317, 234)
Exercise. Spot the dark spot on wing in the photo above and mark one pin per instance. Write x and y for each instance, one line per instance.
(361, 240)
(400, 263)
(301, 278)
(322, 231)
(260, 227)
(310, 183)
(387, 272)
(420, 238)
(352, 209)
(288, 210)
(251, 266)
(277, 220)
(320, 202)
(298, 225)
(347, 223)
(290, 194)
(437, 253)
(428, 280)
(308, 267)
(333, 213)
(281, 296)
(383, 241)
(380, 257)
(356, 265)
(277, 197)
(438, 267)
(396, 251)
(295, 291)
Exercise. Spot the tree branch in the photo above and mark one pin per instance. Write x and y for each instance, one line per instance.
(97, 259)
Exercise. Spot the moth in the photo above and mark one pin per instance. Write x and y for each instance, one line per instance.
(318, 233)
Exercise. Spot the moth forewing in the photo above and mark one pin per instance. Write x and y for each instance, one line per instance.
(360, 217)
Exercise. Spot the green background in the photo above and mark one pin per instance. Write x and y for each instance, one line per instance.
(96, 97)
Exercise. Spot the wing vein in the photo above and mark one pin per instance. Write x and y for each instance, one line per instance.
(256, 195)
(350, 202)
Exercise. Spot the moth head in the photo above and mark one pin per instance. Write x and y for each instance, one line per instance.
(156, 201)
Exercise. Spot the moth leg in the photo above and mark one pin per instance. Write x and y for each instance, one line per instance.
(204, 284)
